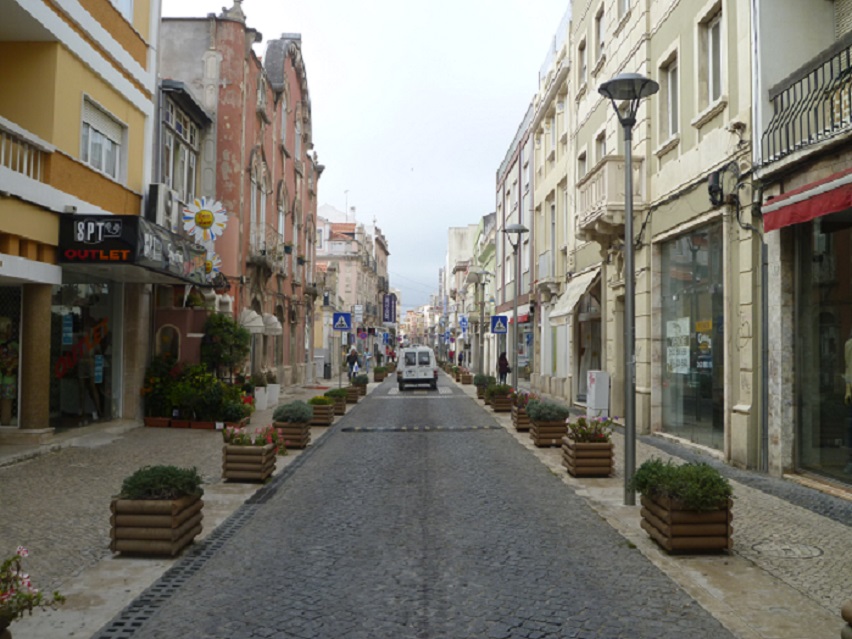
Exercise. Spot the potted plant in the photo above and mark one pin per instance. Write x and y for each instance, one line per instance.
(293, 420)
(520, 400)
(548, 422)
(499, 396)
(258, 381)
(323, 410)
(225, 345)
(379, 373)
(18, 596)
(235, 413)
(587, 449)
(273, 388)
(685, 507)
(157, 512)
(482, 381)
(360, 381)
(466, 376)
(161, 373)
(250, 456)
(339, 397)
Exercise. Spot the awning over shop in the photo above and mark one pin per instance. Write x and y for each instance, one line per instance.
(271, 325)
(251, 321)
(127, 248)
(574, 290)
(823, 197)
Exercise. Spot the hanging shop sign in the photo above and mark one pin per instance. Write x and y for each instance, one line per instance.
(128, 241)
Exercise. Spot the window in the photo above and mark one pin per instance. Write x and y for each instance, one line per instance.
(669, 104)
(552, 240)
(710, 60)
(297, 151)
(581, 165)
(599, 34)
(284, 119)
(581, 63)
(319, 238)
(600, 146)
(180, 152)
(102, 138)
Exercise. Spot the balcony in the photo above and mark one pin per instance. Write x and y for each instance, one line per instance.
(547, 283)
(811, 106)
(22, 153)
(266, 247)
(600, 200)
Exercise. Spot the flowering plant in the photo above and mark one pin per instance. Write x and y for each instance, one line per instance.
(17, 595)
(162, 373)
(237, 436)
(520, 398)
(591, 429)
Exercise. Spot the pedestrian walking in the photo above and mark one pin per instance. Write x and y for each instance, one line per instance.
(352, 362)
(503, 367)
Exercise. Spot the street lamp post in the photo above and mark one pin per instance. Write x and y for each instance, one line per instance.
(517, 230)
(629, 88)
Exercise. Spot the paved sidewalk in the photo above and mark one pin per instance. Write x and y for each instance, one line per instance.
(791, 566)
(55, 501)
(786, 578)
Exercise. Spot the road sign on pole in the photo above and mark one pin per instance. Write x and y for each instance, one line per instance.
(342, 322)
(499, 325)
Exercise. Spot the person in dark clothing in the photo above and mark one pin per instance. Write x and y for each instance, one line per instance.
(503, 368)
(351, 361)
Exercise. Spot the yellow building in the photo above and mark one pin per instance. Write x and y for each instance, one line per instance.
(77, 113)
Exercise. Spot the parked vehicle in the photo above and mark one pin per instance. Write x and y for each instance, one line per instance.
(417, 365)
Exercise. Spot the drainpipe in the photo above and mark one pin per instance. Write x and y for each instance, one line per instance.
(764, 358)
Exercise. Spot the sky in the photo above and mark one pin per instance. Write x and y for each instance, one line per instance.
(414, 104)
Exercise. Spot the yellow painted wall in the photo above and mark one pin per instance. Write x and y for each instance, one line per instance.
(28, 221)
(78, 81)
(29, 67)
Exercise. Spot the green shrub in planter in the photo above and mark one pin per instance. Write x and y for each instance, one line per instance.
(481, 379)
(161, 482)
(498, 390)
(258, 379)
(321, 400)
(297, 412)
(698, 486)
(543, 410)
(234, 411)
(361, 380)
(380, 369)
(335, 392)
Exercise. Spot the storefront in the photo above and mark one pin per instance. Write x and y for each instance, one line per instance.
(104, 258)
(823, 339)
(693, 336)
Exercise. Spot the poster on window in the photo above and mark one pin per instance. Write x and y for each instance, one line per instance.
(677, 346)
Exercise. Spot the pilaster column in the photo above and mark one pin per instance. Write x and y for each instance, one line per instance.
(34, 411)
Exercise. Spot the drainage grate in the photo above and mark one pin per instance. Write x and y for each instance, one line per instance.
(416, 429)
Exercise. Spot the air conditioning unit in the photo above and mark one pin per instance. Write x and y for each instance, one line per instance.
(163, 207)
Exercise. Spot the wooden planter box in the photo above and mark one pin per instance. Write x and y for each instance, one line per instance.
(679, 530)
(180, 423)
(501, 404)
(362, 389)
(520, 419)
(467, 379)
(480, 392)
(587, 459)
(202, 425)
(352, 394)
(157, 422)
(323, 415)
(339, 405)
(379, 377)
(248, 463)
(295, 435)
(548, 433)
(154, 526)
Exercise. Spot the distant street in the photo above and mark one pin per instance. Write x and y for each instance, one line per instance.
(416, 517)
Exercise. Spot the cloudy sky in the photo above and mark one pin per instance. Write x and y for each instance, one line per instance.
(414, 105)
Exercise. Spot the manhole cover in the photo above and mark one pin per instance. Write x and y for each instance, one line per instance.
(787, 550)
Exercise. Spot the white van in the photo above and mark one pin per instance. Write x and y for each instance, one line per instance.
(417, 365)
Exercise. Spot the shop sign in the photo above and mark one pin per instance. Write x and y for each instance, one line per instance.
(132, 240)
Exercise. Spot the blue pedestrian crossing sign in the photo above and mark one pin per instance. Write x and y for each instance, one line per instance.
(499, 326)
(342, 322)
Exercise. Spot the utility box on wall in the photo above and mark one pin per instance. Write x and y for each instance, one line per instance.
(597, 398)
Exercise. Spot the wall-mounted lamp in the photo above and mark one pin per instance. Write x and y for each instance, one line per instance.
(716, 186)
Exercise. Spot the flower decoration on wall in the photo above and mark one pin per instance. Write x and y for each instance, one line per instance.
(205, 219)
(212, 264)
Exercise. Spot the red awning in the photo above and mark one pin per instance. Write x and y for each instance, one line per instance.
(823, 197)
(522, 319)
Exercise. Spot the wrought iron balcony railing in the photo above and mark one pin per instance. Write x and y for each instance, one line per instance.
(813, 106)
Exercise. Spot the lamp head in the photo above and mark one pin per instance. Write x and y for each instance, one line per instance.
(517, 230)
(630, 88)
